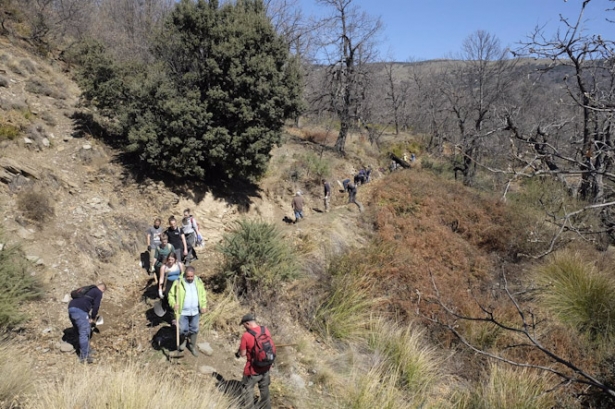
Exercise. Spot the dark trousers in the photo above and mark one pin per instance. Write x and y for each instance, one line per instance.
(248, 383)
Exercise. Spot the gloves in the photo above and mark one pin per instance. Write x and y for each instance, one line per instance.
(160, 294)
(237, 354)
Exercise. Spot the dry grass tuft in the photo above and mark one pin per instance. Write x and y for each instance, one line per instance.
(417, 365)
(36, 206)
(17, 376)
(128, 387)
(578, 294)
(346, 310)
(223, 310)
(372, 388)
(509, 388)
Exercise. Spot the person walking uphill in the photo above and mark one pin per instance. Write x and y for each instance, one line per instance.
(258, 348)
(82, 312)
(177, 238)
(191, 232)
(327, 194)
(188, 299)
(154, 234)
(297, 205)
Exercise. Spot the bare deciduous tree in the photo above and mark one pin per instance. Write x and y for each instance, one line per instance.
(526, 328)
(474, 88)
(347, 40)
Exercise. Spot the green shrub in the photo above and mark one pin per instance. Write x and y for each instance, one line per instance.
(257, 257)
(315, 166)
(578, 295)
(17, 285)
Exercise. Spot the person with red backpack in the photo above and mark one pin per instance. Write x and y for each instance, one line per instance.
(258, 348)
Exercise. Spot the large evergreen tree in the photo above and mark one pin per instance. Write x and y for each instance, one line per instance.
(216, 97)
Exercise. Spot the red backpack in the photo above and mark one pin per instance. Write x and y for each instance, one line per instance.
(263, 353)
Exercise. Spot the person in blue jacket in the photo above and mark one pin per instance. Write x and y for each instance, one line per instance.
(82, 312)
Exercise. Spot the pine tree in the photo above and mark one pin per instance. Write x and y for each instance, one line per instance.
(215, 98)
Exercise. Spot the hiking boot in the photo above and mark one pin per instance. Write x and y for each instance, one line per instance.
(182, 346)
(88, 360)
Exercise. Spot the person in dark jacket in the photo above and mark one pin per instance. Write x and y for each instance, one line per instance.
(352, 193)
(177, 238)
(327, 194)
(82, 312)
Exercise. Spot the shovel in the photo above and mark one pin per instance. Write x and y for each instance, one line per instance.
(159, 309)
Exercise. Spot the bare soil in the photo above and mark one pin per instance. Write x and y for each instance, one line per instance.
(97, 228)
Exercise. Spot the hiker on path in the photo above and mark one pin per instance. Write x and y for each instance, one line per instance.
(327, 193)
(82, 312)
(297, 205)
(253, 374)
(170, 271)
(345, 184)
(191, 231)
(177, 238)
(188, 299)
(161, 253)
(360, 178)
(352, 193)
(153, 241)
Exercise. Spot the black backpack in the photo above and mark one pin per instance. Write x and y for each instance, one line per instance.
(264, 350)
(82, 292)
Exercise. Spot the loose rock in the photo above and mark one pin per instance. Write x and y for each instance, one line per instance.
(66, 298)
(66, 347)
(205, 348)
(206, 370)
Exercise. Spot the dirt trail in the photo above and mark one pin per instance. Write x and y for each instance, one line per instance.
(99, 222)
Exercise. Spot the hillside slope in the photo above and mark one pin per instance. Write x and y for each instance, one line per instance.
(81, 217)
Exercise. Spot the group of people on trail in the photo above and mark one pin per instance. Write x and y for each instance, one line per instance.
(183, 294)
(362, 177)
(178, 240)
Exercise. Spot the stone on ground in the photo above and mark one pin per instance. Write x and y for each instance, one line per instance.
(66, 347)
(205, 348)
(207, 370)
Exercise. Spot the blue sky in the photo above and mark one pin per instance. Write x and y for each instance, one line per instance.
(430, 29)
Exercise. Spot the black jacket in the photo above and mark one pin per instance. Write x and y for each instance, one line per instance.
(89, 302)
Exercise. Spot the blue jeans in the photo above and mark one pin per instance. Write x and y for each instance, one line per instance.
(81, 324)
(298, 214)
(188, 324)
